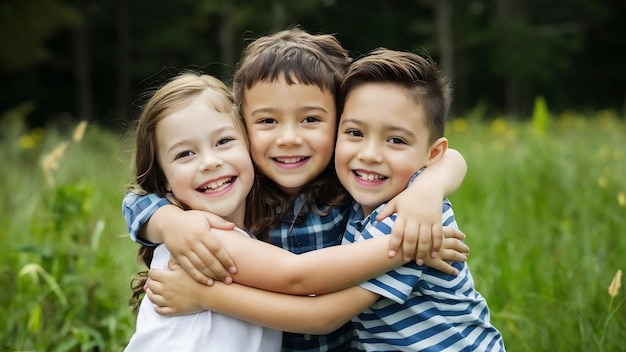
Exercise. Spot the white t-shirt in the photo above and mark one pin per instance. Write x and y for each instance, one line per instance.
(204, 331)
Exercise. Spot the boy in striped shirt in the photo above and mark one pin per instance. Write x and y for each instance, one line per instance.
(393, 110)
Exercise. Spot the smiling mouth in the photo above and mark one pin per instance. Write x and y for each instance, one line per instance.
(291, 160)
(369, 177)
(216, 185)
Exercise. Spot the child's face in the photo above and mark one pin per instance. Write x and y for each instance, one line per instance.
(292, 131)
(382, 141)
(205, 160)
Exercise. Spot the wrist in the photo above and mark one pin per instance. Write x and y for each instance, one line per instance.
(157, 228)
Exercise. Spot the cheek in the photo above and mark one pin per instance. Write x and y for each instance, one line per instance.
(402, 173)
(326, 143)
(257, 148)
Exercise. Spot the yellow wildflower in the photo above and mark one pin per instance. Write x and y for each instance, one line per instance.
(621, 199)
(603, 181)
(79, 131)
(498, 125)
(616, 283)
(460, 124)
(27, 142)
(50, 162)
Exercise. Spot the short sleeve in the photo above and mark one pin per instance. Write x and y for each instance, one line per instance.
(137, 210)
(396, 284)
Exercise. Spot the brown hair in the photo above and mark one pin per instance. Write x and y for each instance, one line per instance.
(148, 175)
(418, 74)
(300, 57)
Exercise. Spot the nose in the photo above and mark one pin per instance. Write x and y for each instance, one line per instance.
(289, 136)
(370, 153)
(210, 161)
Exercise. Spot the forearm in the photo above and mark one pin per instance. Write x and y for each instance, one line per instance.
(268, 267)
(299, 314)
(137, 210)
(447, 174)
(162, 222)
(339, 267)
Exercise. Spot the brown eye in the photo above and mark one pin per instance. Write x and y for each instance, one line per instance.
(310, 119)
(396, 140)
(224, 140)
(183, 154)
(267, 121)
(354, 133)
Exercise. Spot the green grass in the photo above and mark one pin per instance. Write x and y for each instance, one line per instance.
(66, 265)
(540, 205)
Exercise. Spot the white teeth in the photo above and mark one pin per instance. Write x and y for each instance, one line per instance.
(369, 177)
(292, 160)
(216, 185)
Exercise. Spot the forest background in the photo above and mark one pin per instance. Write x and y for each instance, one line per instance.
(538, 114)
(90, 59)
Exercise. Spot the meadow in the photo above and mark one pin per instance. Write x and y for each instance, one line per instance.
(543, 206)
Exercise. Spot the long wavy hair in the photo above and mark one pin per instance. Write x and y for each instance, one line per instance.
(148, 176)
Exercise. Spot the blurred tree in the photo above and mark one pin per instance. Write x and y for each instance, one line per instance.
(81, 49)
(444, 37)
(24, 27)
(124, 62)
(532, 44)
(94, 58)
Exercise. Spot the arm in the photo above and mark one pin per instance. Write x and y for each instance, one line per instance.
(419, 207)
(137, 209)
(303, 314)
(262, 265)
(184, 234)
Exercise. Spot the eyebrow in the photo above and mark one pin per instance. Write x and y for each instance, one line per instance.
(300, 109)
(216, 131)
(386, 127)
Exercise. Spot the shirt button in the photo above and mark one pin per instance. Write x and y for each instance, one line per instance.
(300, 245)
(307, 337)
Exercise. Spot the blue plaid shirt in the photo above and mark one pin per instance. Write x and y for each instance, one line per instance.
(297, 235)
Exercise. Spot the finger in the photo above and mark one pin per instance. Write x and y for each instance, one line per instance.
(165, 311)
(155, 277)
(155, 298)
(386, 211)
(173, 264)
(192, 270)
(444, 267)
(145, 285)
(196, 254)
(218, 260)
(218, 222)
(452, 245)
(423, 243)
(395, 241)
(224, 266)
(451, 232)
(216, 270)
(454, 255)
(437, 238)
(410, 231)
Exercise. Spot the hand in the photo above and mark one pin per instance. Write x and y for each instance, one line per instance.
(418, 224)
(171, 291)
(453, 249)
(188, 238)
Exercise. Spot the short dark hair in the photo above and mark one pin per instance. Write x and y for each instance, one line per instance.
(420, 75)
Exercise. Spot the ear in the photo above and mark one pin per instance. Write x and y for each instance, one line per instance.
(167, 187)
(437, 150)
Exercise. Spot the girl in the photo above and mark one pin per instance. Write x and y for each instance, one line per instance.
(192, 148)
(396, 105)
(286, 85)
